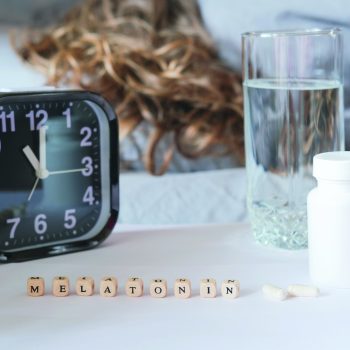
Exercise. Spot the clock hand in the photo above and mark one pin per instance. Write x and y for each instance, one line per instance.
(42, 153)
(66, 171)
(33, 189)
(33, 160)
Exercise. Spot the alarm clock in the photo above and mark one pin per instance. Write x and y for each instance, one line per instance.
(59, 173)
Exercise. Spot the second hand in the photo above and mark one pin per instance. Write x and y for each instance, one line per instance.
(33, 189)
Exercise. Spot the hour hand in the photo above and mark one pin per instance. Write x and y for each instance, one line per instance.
(33, 160)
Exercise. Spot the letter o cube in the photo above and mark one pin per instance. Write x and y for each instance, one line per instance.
(158, 288)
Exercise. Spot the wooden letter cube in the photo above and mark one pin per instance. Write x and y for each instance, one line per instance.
(60, 286)
(182, 288)
(85, 286)
(230, 289)
(208, 288)
(158, 288)
(35, 286)
(108, 287)
(134, 287)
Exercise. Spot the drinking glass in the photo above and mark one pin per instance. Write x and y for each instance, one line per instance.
(293, 109)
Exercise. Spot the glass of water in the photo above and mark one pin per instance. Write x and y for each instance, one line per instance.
(293, 109)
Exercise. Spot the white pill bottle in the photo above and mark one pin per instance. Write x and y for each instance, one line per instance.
(328, 209)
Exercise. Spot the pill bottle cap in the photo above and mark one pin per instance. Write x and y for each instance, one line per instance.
(332, 166)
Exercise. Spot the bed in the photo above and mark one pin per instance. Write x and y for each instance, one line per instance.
(215, 196)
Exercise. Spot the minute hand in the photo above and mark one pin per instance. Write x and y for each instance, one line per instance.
(66, 171)
(42, 147)
(42, 153)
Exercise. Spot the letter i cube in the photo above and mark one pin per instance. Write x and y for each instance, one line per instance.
(35, 286)
(208, 288)
(60, 286)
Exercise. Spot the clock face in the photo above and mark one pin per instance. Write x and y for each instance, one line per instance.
(54, 180)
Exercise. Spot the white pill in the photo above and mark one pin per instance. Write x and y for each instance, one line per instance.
(274, 292)
(300, 290)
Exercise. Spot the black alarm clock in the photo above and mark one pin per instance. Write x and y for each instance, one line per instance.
(59, 174)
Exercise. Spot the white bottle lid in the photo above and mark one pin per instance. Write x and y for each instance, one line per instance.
(332, 166)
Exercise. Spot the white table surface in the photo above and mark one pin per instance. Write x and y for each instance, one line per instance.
(222, 252)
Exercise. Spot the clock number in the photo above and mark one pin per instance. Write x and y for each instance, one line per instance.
(41, 113)
(87, 162)
(67, 114)
(30, 115)
(69, 219)
(40, 224)
(86, 132)
(89, 196)
(4, 117)
(14, 222)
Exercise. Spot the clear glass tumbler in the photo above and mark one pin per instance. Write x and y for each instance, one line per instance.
(293, 109)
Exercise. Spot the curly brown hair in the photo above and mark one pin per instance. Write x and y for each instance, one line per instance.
(155, 62)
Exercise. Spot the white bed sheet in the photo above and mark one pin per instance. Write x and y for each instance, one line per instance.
(192, 198)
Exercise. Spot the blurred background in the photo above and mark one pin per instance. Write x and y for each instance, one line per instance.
(224, 19)
(200, 161)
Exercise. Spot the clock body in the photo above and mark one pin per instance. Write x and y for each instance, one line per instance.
(59, 181)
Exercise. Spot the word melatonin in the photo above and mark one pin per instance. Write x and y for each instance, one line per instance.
(134, 287)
